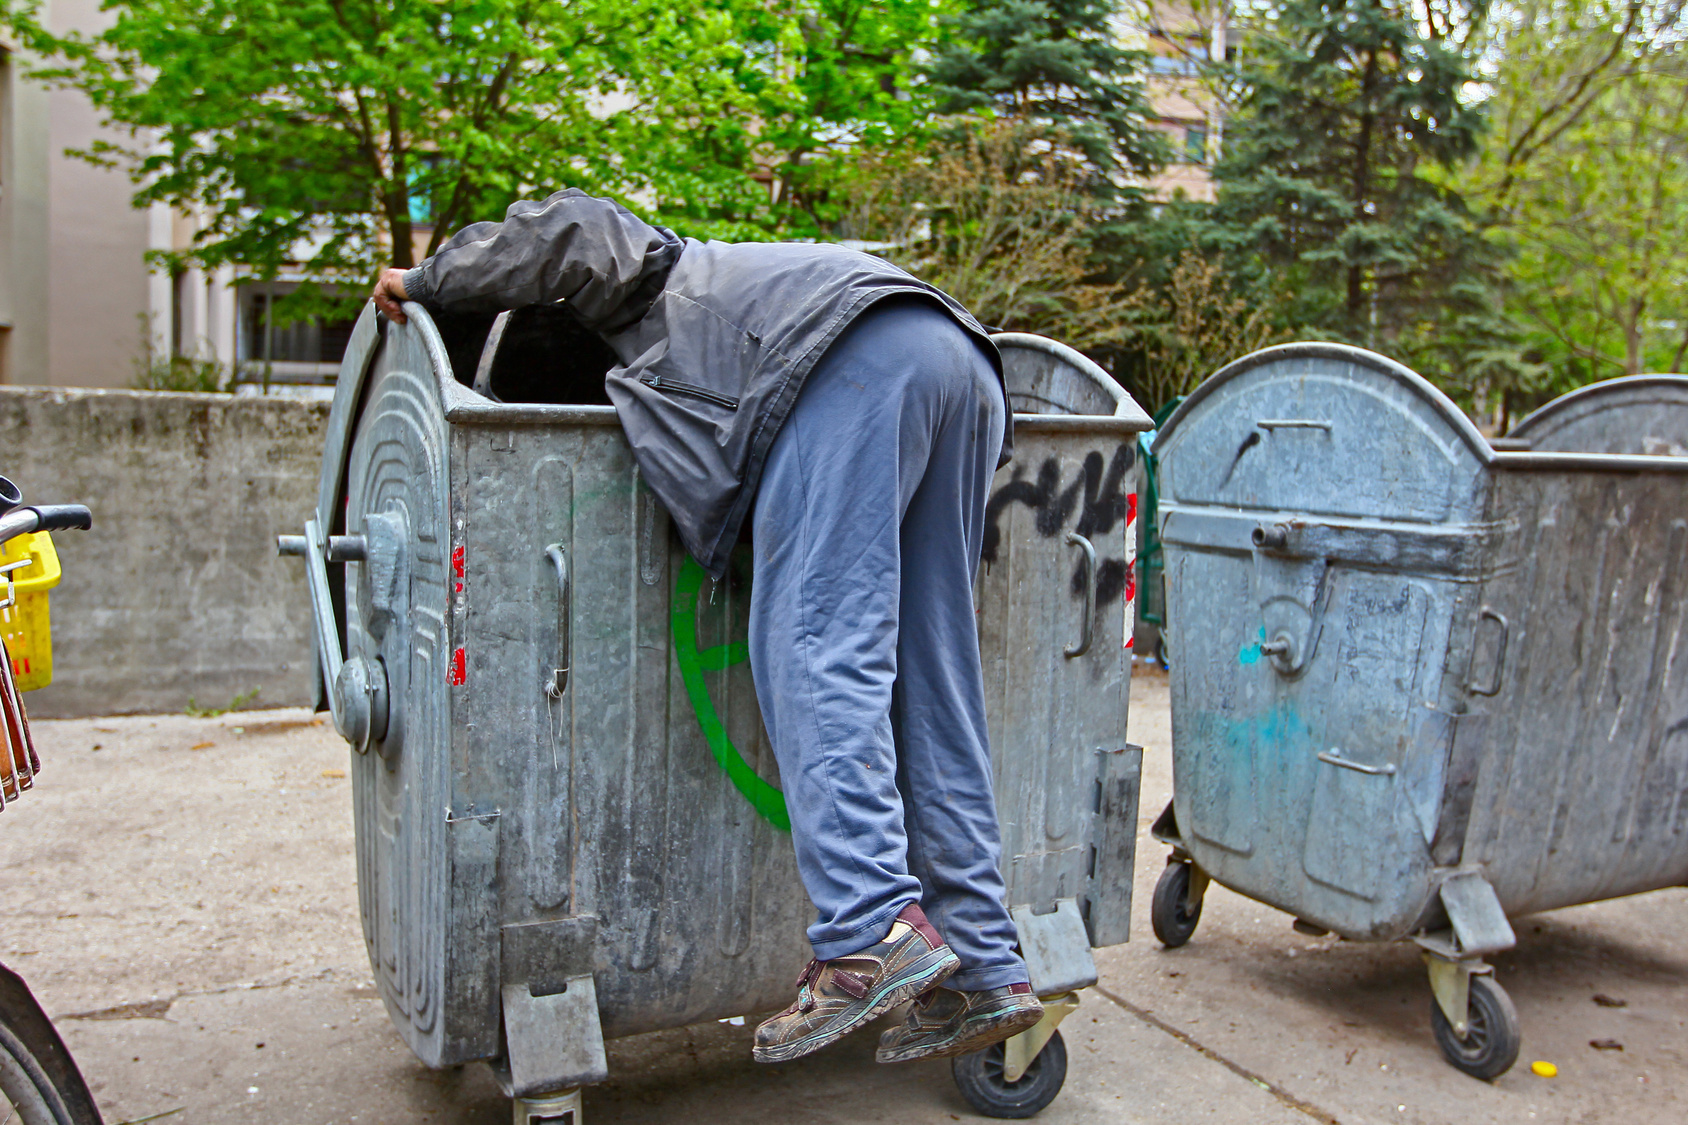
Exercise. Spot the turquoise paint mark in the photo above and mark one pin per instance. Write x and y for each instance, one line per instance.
(1250, 653)
(768, 801)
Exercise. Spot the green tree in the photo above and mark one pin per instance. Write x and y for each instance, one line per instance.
(1586, 175)
(999, 214)
(1600, 225)
(1335, 175)
(335, 134)
(1056, 63)
(803, 90)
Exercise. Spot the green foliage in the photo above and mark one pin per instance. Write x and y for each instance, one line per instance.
(1197, 320)
(799, 92)
(1586, 174)
(1600, 223)
(998, 213)
(180, 373)
(337, 132)
(1054, 62)
(194, 711)
(1329, 172)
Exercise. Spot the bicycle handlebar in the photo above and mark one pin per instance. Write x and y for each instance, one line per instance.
(45, 517)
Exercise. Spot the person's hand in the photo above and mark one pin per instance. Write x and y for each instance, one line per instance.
(389, 291)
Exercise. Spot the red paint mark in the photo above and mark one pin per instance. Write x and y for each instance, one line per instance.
(1131, 507)
(459, 670)
(460, 587)
(1131, 585)
(457, 561)
(1130, 642)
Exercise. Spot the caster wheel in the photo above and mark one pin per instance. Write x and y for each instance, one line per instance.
(1171, 914)
(1492, 1038)
(1160, 653)
(979, 1077)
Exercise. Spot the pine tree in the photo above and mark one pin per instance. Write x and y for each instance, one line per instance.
(1058, 63)
(1335, 175)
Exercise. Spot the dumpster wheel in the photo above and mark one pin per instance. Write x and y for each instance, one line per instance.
(1492, 1037)
(1175, 910)
(981, 1079)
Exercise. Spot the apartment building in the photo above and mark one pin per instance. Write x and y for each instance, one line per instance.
(1180, 38)
(79, 305)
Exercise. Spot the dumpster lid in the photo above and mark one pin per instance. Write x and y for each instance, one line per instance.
(1643, 415)
(1323, 429)
(1054, 387)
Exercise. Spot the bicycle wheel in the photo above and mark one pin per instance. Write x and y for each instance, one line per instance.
(39, 1081)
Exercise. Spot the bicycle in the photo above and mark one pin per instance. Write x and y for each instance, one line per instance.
(40, 1083)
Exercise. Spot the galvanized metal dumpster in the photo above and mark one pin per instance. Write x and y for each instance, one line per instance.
(568, 818)
(1423, 686)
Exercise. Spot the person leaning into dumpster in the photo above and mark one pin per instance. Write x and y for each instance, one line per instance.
(855, 416)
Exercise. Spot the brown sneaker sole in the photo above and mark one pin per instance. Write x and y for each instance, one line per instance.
(974, 1035)
(927, 972)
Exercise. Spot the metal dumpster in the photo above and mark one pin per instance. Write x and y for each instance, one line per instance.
(1422, 686)
(568, 820)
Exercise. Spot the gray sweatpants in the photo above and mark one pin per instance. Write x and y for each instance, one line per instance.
(863, 641)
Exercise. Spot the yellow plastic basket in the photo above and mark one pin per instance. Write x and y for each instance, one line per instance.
(24, 623)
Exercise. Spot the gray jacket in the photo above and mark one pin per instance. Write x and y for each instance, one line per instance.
(714, 339)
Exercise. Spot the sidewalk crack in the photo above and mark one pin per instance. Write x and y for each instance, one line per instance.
(1204, 1050)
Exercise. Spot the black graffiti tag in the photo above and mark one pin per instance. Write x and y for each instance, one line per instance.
(1105, 504)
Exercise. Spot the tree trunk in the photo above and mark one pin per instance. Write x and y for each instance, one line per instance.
(1633, 336)
(396, 199)
(1362, 184)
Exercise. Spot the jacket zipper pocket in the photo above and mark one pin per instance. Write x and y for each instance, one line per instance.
(707, 395)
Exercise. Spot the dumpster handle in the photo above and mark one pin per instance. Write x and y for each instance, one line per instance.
(558, 681)
(357, 688)
(1084, 544)
(1270, 424)
(1335, 758)
(1493, 686)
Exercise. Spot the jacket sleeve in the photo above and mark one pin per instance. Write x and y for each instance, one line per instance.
(606, 262)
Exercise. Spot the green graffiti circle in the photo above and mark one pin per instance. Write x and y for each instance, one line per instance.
(768, 802)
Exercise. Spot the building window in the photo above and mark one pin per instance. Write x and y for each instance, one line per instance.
(1195, 145)
(306, 351)
(1173, 66)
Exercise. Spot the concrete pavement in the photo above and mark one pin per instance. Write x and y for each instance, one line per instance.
(180, 893)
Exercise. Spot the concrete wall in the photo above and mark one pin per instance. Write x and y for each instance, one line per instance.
(177, 592)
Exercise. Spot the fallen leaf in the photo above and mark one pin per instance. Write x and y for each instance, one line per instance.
(334, 773)
(202, 746)
(1606, 1001)
(1605, 1044)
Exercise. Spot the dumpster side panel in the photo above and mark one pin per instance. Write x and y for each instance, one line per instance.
(1056, 719)
(1583, 793)
(402, 792)
(615, 808)
(1268, 796)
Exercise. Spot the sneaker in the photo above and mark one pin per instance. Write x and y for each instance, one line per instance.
(946, 1022)
(836, 997)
